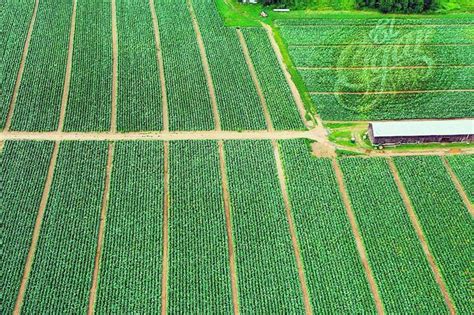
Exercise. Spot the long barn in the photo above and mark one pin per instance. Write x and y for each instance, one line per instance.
(421, 131)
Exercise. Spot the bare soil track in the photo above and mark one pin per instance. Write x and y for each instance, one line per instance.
(67, 76)
(421, 236)
(16, 89)
(101, 234)
(161, 67)
(36, 231)
(358, 238)
(205, 64)
(458, 185)
(228, 221)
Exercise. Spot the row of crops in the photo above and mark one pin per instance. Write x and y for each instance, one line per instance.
(130, 274)
(14, 20)
(368, 56)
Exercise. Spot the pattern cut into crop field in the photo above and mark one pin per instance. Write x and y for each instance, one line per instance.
(399, 68)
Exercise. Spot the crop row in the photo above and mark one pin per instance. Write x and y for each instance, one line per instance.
(189, 102)
(130, 273)
(24, 166)
(15, 17)
(394, 251)
(370, 80)
(60, 278)
(334, 273)
(199, 276)
(364, 21)
(268, 277)
(463, 167)
(237, 99)
(89, 103)
(447, 224)
(39, 99)
(382, 34)
(394, 106)
(278, 96)
(139, 104)
(378, 56)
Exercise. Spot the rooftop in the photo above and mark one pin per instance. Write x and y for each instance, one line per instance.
(423, 128)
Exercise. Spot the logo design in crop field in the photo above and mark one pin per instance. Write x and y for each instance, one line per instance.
(386, 57)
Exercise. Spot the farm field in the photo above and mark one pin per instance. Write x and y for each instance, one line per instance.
(154, 160)
(384, 68)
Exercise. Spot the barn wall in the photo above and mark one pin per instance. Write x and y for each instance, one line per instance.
(422, 139)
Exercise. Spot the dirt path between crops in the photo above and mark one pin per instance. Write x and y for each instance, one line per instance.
(458, 185)
(421, 236)
(358, 238)
(67, 76)
(375, 45)
(291, 84)
(36, 230)
(292, 228)
(113, 112)
(392, 92)
(255, 80)
(228, 223)
(385, 67)
(161, 67)
(205, 65)
(101, 233)
(166, 203)
(16, 88)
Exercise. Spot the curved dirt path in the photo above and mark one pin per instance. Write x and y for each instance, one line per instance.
(67, 76)
(16, 89)
(358, 238)
(101, 234)
(36, 231)
(421, 237)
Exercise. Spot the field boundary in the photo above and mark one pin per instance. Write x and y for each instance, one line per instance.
(36, 231)
(166, 203)
(256, 82)
(113, 110)
(21, 68)
(391, 92)
(458, 185)
(292, 229)
(230, 235)
(358, 238)
(205, 65)
(161, 67)
(67, 76)
(421, 237)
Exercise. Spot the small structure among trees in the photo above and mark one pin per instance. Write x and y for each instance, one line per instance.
(421, 131)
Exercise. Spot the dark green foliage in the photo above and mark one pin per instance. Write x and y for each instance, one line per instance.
(61, 275)
(393, 248)
(23, 166)
(333, 270)
(446, 222)
(463, 167)
(39, 99)
(189, 103)
(399, 6)
(15, 16)
(89, 103)
(266, 266)
(199, 276)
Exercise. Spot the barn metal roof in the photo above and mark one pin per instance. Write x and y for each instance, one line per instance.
(423, 128)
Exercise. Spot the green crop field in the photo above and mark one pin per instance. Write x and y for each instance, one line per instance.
(154, 159)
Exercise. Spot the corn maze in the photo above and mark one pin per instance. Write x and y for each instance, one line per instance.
(156, 160)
